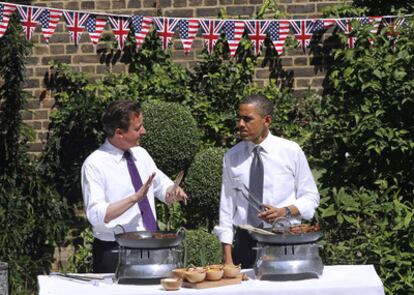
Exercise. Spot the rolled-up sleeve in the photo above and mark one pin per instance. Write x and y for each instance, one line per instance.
(93, 195)
(307, 195)
(224, 230)
(161, 183)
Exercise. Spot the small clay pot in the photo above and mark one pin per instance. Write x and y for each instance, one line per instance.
(171, 284)
(214, 274)
(231, 271)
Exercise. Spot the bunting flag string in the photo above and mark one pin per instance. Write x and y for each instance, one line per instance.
(211, 30)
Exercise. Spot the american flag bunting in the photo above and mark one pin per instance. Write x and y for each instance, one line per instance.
(187, 29)
(278, 31)
(95, 24)
(256, 30)
(120, 28)
(75, 23)
(321, 25)
(375, 21)
(28, 19)
(6, 10)
(210, 29)
(165, 29)
(141, 25)
(48, 20)
(303, 31)
(233, 31)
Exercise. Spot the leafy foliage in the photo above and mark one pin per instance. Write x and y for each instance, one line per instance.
(201, 248)
(203, 182)
(31, 212)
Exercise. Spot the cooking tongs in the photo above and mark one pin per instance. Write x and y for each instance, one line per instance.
(238, 185)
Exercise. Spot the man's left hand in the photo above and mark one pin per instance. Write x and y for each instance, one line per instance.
(175, 194)
(270, 213)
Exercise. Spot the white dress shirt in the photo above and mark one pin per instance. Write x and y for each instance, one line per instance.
(287, 181)
(106, 179)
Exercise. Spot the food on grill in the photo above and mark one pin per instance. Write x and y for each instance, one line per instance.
(164, 236)
(297, 229)
(132, 236)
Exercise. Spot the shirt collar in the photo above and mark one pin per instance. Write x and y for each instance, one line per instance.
(266, 144)
(116, 153)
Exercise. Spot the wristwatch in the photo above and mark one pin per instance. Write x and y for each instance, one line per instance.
(288, 212)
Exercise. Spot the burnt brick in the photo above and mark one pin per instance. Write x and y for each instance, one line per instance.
(304, 72)
(45, 124)
(286, 1)
(41, 71)
(61, 38)
(71, 49)
(134, 4)
(180, 3)
(238, 2)
(286, 61)
(301, 61)
(72, 5)
(210, 2)
(35, 124)
(88, 69)
(88, 5)
(35, 147)
(28, 72)
(240, 10)
(103, 5)
(118, 69)
(228, 2)
(149, 3)
(303, 83)
(32, 104)
(179, 13)
(41, 49)
(87, 59)
(165, 3)
(87, 48)
(62, 59)
(195, 2)
(119, 4)
(256, 1)
(31, 83)
(31, 60)
(40, 115)
(57, 49)
(27, 115)
(260, 74)
(213, 12)
(301, 9)
(317, 82)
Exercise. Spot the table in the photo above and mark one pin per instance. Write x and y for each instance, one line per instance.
(336, 280)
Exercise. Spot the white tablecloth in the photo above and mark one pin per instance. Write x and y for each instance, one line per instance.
(336, 280)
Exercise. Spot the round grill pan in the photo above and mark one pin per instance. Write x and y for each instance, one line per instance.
(149, 240)
(287, 238)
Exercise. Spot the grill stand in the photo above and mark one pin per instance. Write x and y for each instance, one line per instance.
(287, 262)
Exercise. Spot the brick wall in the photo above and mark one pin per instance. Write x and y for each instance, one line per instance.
(85, 58)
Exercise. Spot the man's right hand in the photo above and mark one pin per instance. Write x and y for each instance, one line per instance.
(142, 192)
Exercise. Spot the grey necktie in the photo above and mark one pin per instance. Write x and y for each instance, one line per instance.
(256, 185)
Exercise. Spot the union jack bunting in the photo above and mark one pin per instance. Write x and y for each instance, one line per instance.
(49, 19)
(187, 29)
(278, 31)
(165, 29)
(95, 24)
(303, 31)
(346, 27)
(321, 25)
(75, 23)
(210, 29)
(120, 28)
(141, 25)
(6, 10)
(257, 33)
(393, 24)
(233, 31)
(28, 19)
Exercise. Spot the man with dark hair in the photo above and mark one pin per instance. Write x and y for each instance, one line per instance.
(119, 182)
(277, 174)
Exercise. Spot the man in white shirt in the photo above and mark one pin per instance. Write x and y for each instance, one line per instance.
(112, 196)
(282, 179)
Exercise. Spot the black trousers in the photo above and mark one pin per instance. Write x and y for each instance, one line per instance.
(104, 256)
(242, 251)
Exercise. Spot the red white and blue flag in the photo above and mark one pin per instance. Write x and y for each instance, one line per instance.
(75, 23)
(374, 21)
(256, 30)
(346, 27)
(211, 30)
(303, 31)
(321, 25)
(165, 29)
(29, 19)
(95, 24)
(233, 31)
(6, 10)
(278, 31)
(48, 20)
(393, 24)
(120, 28)
(141, 25)
(187, 29)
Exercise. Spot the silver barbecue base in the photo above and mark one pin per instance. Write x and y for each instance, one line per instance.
(288, 262)
(146, 266)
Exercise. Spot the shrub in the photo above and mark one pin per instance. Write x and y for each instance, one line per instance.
(172, 137)
(203, 182)
(201, 248)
